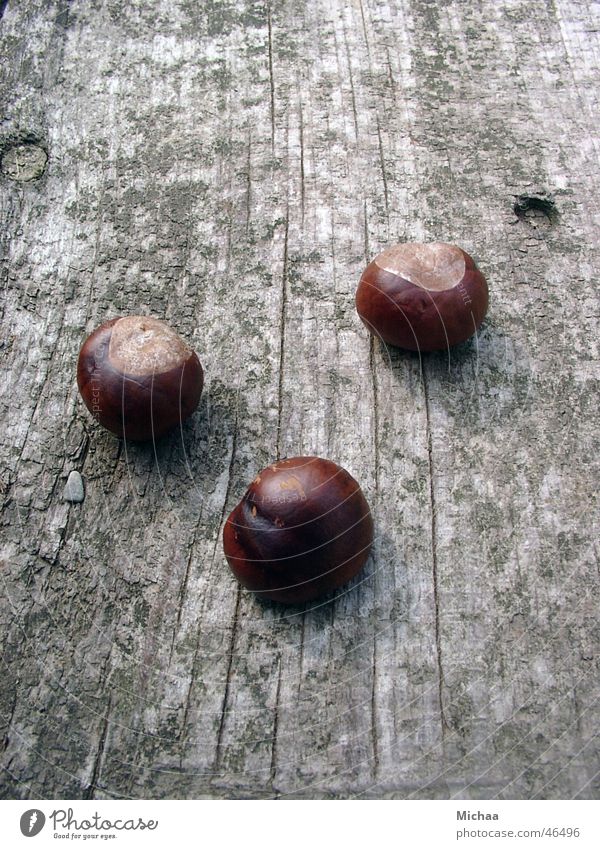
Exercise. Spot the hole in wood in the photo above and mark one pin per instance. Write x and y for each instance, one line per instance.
(24, 162)
(536, 211)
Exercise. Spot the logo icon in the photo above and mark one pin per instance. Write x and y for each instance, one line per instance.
(32, 822)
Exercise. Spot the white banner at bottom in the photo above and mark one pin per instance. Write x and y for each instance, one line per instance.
(301, 824)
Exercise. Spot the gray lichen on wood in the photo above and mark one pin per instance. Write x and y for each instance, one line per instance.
(230, 168)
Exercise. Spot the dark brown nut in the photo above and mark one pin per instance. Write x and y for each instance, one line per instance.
(422, 297)
(138, 378)
(303, 528)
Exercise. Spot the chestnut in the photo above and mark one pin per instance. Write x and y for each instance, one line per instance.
(138, 377)
(422, 297)
(302, 528)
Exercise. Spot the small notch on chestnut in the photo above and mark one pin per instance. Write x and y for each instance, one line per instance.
(311, 533)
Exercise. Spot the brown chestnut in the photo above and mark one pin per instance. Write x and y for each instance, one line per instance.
(138, 377)
(422, 297)
(302, 528)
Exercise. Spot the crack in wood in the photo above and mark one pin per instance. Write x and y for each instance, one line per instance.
(248, 184)
(364, 28)
(282, 322)
(271, 76)
(221, 729)
(230, 468)
(273, 764)
(92, 786)
(301, 659)
(4, 743)
(351, 82)
(302, 173)
(434, 561)
(186, 708)
(214, 554)
(383, 170)
(184, 584)
(374, 733)
(372, 367)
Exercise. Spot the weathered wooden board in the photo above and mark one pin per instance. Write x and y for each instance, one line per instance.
(230, 166)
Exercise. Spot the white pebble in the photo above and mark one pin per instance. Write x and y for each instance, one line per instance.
(73, 490)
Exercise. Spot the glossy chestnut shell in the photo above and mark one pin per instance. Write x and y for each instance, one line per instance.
(422, 297)
(303, 528)
(138, 378)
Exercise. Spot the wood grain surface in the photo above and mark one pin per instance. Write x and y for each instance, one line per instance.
(231, 167)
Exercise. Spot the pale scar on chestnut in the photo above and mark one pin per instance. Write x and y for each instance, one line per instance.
(435, 265)
(422, 297)
(143, 345)
(138, 378)
(294, 485)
